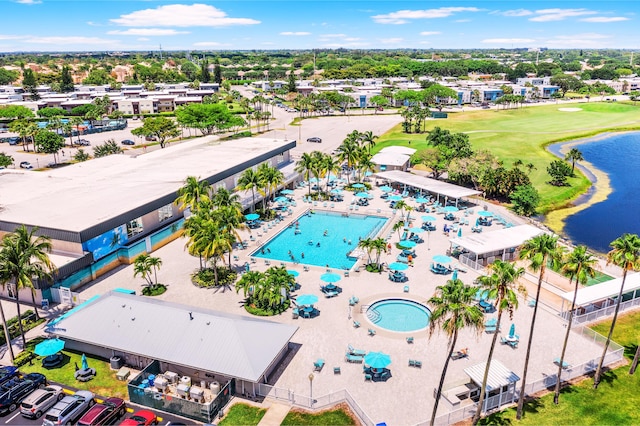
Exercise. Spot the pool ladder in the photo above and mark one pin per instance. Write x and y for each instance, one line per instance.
(373, 315)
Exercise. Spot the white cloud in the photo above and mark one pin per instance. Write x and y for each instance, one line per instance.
(605, 19)
(181, 15)
(295, 33)
(462, 20)
(28, 1)
(10, 37)
(391, 40)
(267, 43)
(208, 44)
(430, 33)
(345, 45)
(548, 15)
(80, 40)
(517, 12)
(352, 39)
(588, 40)
(403, 16)
(508, 40)
(148, 32)
(93, 24)
(332, 35)
(143, 39)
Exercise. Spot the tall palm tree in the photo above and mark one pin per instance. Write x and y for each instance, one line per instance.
(625, 254)
(452, 309)
(230, 220)
(538, 251)
(24, 257)
(573, 155)
(304, 166)
(249, 179)
(348, 151)
(579, 265)
(225, 198)
(142, 267)
(330, 165)
(367, 245)
(155, 263)
(271, 178)
(501, 286)
(368, 139)
(192, 192)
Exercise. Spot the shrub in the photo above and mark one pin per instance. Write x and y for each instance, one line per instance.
(205, 278)
(254, 310)
(154, 290)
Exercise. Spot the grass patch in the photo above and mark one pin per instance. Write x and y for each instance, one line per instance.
(243, 415)
(104, 383)
(338, 416)
(522, 134)
(610, 404)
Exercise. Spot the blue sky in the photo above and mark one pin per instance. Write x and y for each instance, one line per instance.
(68, 25)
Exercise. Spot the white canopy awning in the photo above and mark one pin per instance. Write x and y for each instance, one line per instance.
(499, 375)
(390, 159)
(432, 185)
(605, 290)
(501, 239)
(397, 149)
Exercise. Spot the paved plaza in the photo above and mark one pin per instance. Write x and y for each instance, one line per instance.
(407, 397)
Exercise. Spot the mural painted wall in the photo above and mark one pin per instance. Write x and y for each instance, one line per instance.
(107, 243)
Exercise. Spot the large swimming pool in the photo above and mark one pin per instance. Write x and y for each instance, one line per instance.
(399, 315)
(321, 239)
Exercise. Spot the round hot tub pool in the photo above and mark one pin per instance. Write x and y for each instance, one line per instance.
(399, 315)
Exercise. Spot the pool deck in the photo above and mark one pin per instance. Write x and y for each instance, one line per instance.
(407, 397)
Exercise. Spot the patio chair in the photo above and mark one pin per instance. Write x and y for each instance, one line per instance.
(353, 358)
(318, 365)
(357, 352)
(346, 273)
(253, 260)
(565, 364)
(412, 363)
(368, 378)
(305, 268)
(406, 289)
(417, 364)
(532, 303)
(372, 332)
(336, 370)
(295, 313)
(356, 324)
(236, 258)
(330, 294)
(384, 375)
(410, 339)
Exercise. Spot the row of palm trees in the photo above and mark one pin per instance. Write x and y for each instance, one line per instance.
(212, 228)
(265, 179)
(24, 259)
(454, 306)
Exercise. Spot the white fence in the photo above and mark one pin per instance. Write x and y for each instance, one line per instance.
(603, 312)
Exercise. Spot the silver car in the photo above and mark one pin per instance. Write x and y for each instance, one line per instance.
(40, 401)
(69, 409)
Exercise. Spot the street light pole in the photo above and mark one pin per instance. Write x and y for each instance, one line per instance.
(311, 390)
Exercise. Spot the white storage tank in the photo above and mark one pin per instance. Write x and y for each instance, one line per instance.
(214, 387)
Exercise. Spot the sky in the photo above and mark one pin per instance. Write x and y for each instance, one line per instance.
(121, 25)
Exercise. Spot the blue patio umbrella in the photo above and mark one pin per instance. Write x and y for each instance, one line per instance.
(306, 299)
(455, 275)
(450, 209)
(330, 277)
(357, 185)
(428, 218)
(398, 266)
(460, 232)
(407, 244)
(512, 331)
(49, 347)
(377, 360)
(293, 273)
(85, 364)
(286, 192)
(416, 230)
(281, 199)
(386, 188)
(252, 216)
(314, 180)
(421, 200)
(362, 195)
(367, 174)
(441, 258)
(484, 213)
(336, 191)
(394, 198)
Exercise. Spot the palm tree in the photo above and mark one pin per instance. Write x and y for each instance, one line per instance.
(191, 193)
(625, 254)
(573, 155)
(225, 198)
(500, 285)
(367, 245)
(142, 267)
(271, 178)
(348, 151)
(368, 139)
(398, 226)
(304, 166)
(230, 220)
(379, 245)
(155, 263)
(249, 180)
(452, 309)
(538, 251)
(579, 265)
(330, 165)
(23, 258)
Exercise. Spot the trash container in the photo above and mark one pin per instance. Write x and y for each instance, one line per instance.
(151, 378)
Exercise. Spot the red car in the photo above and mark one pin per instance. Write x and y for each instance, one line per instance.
(105, 413)
(141, 418)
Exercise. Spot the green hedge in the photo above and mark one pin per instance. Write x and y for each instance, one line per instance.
(205, 278)
(154, 290)
(253, 310)
(28, 322)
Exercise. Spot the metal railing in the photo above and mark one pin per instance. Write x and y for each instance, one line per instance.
(593, 316)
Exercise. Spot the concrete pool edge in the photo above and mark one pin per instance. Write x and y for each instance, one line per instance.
(358, 315)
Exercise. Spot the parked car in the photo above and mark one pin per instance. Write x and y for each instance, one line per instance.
(128, 142)
(141, 418)
(14, 140)
(26, 165)
(40, 401)
(105, 413)
(8, 373)
(83, 142)
(15, 390)
(314, 139)
(69, 409)
(150, 138)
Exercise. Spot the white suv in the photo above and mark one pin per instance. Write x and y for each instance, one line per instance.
(40, 401)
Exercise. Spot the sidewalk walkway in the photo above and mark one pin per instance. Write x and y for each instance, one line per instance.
(275, 415)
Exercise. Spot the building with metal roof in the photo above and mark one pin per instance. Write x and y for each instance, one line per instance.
(437, 187)
(186, 339)
(501, 383)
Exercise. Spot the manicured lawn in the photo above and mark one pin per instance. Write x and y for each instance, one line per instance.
(335, 417)
(521, 134)
(243, 415)
(613, 403)
(105, 382)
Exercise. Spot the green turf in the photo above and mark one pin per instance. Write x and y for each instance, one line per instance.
(613, 403)
(243, 415)
(521, 134)
(336, 417)
(598, 278)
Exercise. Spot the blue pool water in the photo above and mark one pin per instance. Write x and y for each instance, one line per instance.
(399, 315)
(598, 225)
(291, 243)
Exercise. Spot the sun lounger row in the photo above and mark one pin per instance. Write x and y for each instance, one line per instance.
(415, 363)
(356, 359)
